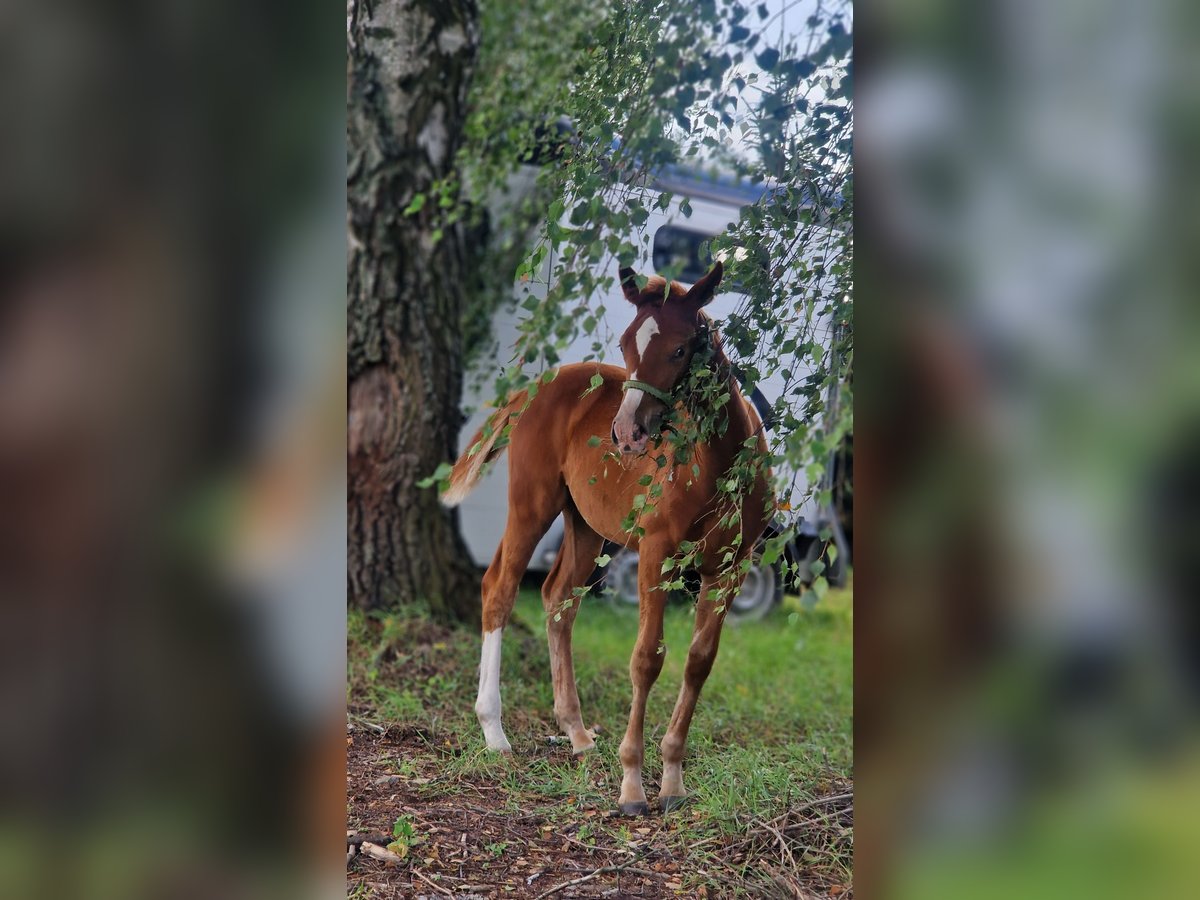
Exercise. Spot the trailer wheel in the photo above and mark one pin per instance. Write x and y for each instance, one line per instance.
(761, 590)
(621, 577)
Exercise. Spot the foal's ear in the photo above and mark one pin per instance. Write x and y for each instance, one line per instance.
(629, 285)
(703, 290)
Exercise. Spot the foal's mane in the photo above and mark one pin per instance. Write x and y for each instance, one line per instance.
(656, 283)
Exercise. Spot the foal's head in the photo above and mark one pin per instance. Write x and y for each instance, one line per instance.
(658, 347)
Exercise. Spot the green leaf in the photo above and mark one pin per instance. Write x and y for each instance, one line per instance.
(772, 551)
(403, 828)
(415, 206)
(594, 440)
(440, 474)
(768, 59)
(603, 559)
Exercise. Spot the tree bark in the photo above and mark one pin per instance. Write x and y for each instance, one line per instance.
(409, 64)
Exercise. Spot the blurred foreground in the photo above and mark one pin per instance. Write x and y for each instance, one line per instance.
(1028, 434)
(171, 449)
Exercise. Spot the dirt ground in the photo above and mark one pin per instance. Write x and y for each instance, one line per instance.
(465, 845)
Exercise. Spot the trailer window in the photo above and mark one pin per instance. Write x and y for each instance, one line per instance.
(681, 247)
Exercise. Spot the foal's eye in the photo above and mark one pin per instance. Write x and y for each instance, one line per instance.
(679, 353)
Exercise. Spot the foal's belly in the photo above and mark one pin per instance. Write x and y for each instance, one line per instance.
(603, 490)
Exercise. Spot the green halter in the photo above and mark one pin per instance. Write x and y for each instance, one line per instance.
(650, 389)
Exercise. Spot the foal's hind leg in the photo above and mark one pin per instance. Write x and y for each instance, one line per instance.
(576, 560)
(715, 594)
(528, 519)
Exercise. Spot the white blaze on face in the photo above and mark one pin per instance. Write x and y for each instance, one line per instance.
(642, 340)
(623, 423)
(629, 404)
(487, 706)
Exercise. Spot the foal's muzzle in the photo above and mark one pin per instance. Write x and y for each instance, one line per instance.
(633, 442)
(637, 419)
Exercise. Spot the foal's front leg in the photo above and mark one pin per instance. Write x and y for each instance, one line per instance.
(715, 597)
(644, 667)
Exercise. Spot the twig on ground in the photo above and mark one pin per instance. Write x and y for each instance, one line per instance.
(380, 853)
(603, 870)
(634, 870)
(437, 887)
(356, 838)
(359, 720)
(783, 845)
(820, 801)
(592, 848)
(826, 830)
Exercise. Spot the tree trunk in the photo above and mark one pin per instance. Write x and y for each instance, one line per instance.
(409, 63)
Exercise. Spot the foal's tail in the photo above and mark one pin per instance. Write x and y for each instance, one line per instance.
(482, 450)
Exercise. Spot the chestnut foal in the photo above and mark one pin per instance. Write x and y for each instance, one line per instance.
(557, 466)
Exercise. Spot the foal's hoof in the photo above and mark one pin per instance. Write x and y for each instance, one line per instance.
(589, 734)
(670, 804)
(641, 808)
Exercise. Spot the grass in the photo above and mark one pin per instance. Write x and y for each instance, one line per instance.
(772, 729)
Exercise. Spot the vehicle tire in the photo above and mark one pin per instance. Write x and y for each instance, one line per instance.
(621, 577)
(762, 589)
